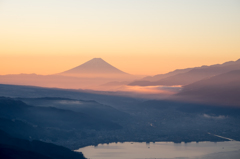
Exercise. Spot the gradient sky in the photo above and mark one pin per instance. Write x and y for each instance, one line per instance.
(143, 37)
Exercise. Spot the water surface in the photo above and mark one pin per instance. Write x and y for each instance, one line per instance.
(164, 150)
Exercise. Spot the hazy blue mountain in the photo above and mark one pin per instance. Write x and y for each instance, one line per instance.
(89, 107)
(50, 117)
(191, 75)
(149, 121)
(58, 126)
(90, 75)
(106, 98)
(223, 89)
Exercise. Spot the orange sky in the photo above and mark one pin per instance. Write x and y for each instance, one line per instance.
(139, 65)
(144, 37)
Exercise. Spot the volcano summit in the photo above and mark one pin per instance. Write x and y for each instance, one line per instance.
(96, 67)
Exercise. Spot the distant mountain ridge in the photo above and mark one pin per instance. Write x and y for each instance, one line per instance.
(161, 76)
(223, 89)
(90, 75)
(189, 75)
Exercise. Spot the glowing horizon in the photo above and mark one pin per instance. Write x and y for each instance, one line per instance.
(145, 37)
(33, 65)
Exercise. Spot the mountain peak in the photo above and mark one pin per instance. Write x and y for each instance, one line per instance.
(95, 67)
(96, 60)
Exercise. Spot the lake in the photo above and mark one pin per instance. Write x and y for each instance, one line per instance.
(164, 150)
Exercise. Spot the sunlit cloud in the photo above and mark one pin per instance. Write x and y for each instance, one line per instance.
(151, 89)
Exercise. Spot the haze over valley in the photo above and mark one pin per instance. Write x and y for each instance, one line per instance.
(74, 118)
(120, 79)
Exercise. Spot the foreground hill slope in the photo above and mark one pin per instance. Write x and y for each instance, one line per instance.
(14, 148)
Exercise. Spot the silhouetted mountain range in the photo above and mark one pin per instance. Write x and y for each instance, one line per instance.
(59, 116)
(90, 75)
(76, 118)
(161, 76)
(223, 89)
(106, 98)
(189, 75)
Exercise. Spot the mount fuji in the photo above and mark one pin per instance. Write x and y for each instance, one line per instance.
(93, 74)
(95, 67)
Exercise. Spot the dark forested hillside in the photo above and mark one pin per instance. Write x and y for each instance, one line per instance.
(14, 148)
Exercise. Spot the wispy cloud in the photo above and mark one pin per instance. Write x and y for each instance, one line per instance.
(214, 117)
